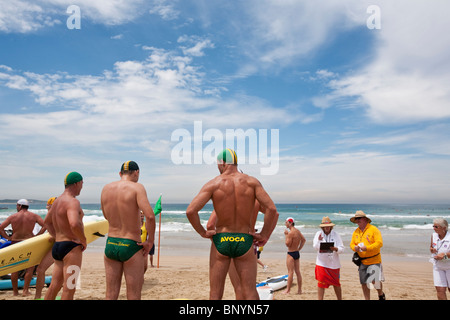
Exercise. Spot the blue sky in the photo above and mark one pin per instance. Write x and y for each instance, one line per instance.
(362, 114)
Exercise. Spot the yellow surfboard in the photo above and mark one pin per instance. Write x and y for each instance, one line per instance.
(30, 252)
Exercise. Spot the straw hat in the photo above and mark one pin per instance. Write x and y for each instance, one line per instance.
(326, 222)
(359, 214)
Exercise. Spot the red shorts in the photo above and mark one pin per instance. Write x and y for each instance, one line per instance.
(327, 277)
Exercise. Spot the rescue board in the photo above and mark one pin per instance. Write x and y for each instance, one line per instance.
(276, 283)
(6, 284)
(30, 252)
(265, 292)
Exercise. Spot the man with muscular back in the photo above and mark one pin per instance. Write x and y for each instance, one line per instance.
(125, 253)
(233, 195)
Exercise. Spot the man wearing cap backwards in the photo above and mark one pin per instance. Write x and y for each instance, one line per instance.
(367, 242)
(64, 222)
(294, 241)
(125, 253)
(233, 195)
(22, 224)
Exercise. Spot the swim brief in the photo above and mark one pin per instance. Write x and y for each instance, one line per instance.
(232, 245)
(294, 254)
(62, 248)
(121, 249)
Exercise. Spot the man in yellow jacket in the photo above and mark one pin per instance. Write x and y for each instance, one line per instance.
(367, 242)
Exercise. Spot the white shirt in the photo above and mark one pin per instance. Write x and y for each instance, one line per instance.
(328, 259)
(442, 246)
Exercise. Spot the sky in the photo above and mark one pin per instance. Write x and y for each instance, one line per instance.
(337, 101)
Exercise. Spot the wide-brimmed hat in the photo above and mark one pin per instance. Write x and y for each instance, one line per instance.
(359, 214)
(326, 222)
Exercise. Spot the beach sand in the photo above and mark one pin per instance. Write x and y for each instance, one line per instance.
(185, 276)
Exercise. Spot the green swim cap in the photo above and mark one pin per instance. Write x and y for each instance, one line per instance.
(227, 156)
(72, 177)
(129, 166)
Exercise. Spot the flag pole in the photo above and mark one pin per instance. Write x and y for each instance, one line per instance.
(159, 235)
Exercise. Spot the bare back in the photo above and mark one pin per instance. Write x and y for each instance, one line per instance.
(23, 223)
(234, 202)
(293, 239)
(65, 213)
(120, 207)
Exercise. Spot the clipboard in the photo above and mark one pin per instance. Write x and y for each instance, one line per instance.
(325, 247)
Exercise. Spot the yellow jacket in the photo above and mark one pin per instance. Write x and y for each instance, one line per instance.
(371, 237)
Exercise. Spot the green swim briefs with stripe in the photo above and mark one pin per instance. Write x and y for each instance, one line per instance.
(232, 245)
(121, 249)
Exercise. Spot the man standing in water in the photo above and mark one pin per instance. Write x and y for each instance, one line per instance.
(233, 195)
(64, 222)
(294, 242)
(125, 252)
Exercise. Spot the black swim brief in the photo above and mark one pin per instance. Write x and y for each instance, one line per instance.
(62, 248)
(294, 254)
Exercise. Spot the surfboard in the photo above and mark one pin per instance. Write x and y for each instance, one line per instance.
(276, 283)
(6, 284)
(30, 252)
(265, 292)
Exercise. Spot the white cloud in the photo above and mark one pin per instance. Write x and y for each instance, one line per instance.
(155, 96)
(166, 11)
(406, 81)
(23, 16)
(282, 33)
(363, 177)
(197, 45)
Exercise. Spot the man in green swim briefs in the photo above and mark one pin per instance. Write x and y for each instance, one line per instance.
(233, 195)
(125, 254)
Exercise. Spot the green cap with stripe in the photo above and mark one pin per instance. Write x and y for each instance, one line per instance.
(129, 166)
(227, 156)
(72, 177)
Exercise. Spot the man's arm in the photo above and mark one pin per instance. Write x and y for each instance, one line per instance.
(4, 224)
(302, 241)
(48, 222)
(150, 223)
(195, 206)
(40, 222)
(270, 215)
(74, 217)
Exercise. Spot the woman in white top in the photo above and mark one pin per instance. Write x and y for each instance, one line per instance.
(329, 245)
(440, 250)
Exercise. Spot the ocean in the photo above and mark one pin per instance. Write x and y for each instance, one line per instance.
(406, 229)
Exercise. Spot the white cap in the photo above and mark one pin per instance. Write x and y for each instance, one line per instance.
(290, 219)
(23, 202)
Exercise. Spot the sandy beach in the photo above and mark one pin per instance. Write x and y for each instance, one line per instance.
(184, 275)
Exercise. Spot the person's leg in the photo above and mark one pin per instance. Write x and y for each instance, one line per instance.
(235, 281)
(290, 267)
(46, 262)
(338, 292)
(320, 293)
(298, 274)
(113, 272)
(26, 282)
(247, 269)
(218, 269)
(14, 283)
(133, 270)
(71, 271)
(57, 281)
